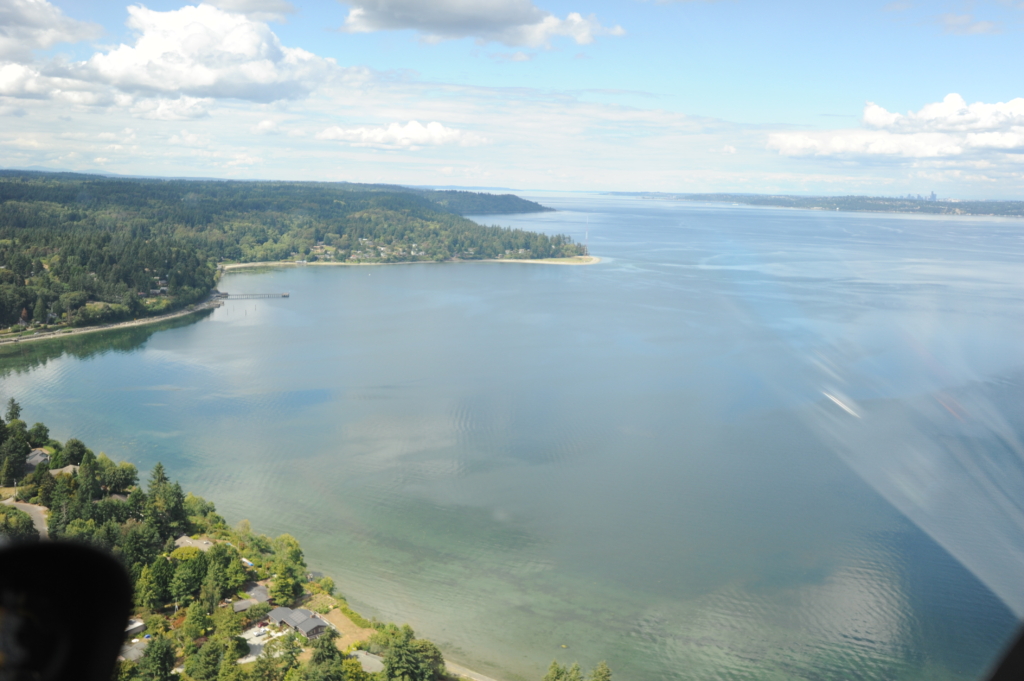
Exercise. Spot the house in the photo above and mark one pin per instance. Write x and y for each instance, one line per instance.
(258, 593)
(300, 619)
(67, 470)
(134, 627)
(243, 605)
(38, 456)
(185, 540)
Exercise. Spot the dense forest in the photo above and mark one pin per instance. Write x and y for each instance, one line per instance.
(875, 204)
(185, 597)
(82, 249)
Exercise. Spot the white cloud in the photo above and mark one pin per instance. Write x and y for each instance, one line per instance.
(950, 128)
(266, 127)
(411, 135)
(206, 52)
(511, 22)
(180, 109)
(259, 10)
(964, 24)
(27, 25)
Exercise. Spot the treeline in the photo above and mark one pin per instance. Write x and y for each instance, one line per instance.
(83, 249)
(876, 204)
(181, 592)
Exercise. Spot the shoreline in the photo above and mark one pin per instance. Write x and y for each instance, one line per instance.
(67, 333)
(216, 302)
(574, 260)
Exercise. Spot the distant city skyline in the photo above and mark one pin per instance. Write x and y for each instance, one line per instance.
(880, 99)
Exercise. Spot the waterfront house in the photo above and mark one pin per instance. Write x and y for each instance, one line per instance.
(38, 456)
(185, 540)
(300, 619)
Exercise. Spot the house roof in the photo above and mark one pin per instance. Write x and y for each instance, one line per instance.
(242, 606)
(258, 593)
(278, 615)
(37, 456)
(185, 540)
(299, 619)
(67, 469)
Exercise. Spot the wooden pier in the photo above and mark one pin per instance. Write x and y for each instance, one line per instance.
(254, 296)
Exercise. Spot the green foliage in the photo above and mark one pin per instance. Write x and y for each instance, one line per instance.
(16, 525)
(557, 672)
(13, 412)
(197, 621)
(13, 453)
(82, 249)
(407, 658)
(205, 665)
(601, 672)
(158, 661)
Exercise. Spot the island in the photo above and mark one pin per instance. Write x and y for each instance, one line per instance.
(211, 602)
(87, 250)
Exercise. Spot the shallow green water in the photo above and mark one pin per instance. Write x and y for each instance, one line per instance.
(628, 459)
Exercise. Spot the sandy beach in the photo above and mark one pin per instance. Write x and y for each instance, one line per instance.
(574, 260)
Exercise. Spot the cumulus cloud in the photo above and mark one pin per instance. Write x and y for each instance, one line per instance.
(511, 22)
(411, 135)
(206, 52)
(27, 25)
(259, 10)
(950, 128)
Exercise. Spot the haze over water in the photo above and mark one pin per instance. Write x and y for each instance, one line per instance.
(637, 460)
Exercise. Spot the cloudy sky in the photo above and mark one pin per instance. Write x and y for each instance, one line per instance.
(736, 95)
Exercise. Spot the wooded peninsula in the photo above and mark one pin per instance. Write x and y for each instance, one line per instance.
(211, 602)
(81, 250)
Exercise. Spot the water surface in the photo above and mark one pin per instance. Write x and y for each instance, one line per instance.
(632, 461)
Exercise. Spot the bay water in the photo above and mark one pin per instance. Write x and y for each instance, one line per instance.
(646, 461)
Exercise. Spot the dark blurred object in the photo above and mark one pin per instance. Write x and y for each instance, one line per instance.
(63, 612)
(1011, 667)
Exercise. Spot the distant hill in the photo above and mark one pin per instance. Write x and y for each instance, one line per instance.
(878, 204)
(85, 249)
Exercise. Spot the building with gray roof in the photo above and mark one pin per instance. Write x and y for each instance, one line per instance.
(300, 619)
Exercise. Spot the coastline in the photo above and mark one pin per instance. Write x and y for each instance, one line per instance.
(209, 304)
(67, 333)
(574, 260)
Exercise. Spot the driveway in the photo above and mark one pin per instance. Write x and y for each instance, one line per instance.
(37, 513)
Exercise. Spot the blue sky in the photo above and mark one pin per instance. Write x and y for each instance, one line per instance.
(796, 97)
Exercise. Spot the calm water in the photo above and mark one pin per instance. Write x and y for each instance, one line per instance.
(635, 461)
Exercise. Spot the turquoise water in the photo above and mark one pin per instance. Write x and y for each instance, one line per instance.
(635, 460)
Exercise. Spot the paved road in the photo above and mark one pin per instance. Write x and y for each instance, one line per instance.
(37, 513)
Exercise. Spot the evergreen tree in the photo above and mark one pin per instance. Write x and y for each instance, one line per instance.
(157, 662)
(205, 665)
(401, 663)
(601, 672)
(266, 669)
(13, 410)
(556, 672)
(146, 594)
(574, 673)
(163, 572)
(324, 650)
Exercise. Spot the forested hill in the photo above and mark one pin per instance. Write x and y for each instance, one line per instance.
(82, 249)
